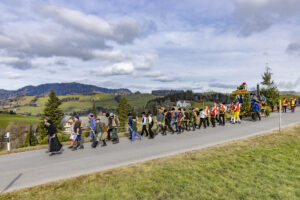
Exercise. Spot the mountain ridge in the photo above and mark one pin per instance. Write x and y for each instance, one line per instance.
(61, 89)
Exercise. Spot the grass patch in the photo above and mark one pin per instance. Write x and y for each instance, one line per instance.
(261, 167)
(6, 119)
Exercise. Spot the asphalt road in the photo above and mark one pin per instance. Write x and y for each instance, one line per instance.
(32, 168)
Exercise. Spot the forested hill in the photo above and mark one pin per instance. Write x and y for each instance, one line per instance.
(61, 89)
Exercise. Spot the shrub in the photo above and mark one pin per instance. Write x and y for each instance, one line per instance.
(268, 111)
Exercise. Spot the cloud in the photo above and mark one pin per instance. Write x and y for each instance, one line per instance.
(11, 75)
(122, 31)
(253, 16)
(289, 84)
(165, 79)
(16, 62)
(118, 69)
(222, 85)
(293, 48)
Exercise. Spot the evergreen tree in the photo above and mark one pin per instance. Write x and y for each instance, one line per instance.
(53, 112)
(31, 139)
(267, 77)
(94, 109)
(270, 91)
(122, 111)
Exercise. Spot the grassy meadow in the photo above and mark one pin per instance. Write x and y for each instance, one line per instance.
(261, 167)
(76, 103)
(6, 119)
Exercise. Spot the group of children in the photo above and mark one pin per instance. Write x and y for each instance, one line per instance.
(97, 130)
(288, 104)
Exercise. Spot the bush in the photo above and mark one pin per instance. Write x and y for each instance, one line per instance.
(268, 111)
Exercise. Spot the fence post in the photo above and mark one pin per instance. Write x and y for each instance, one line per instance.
(8, 141)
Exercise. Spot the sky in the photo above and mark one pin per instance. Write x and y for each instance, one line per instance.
(142, 45)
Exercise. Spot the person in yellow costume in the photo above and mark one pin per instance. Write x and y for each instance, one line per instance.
(237, 111)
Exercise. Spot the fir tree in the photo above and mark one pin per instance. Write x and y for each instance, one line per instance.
(270, 91)
(94, 109)
(53, 112)
(122, 111)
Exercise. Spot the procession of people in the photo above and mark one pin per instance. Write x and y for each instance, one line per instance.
(174, 120)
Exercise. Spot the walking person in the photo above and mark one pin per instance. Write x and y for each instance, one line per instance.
(194, 119)
(150, 126)
(130, 118)
(168, 119)
(77, 130)
(214, 112)
(99, 131)
(159, 121)
(223, 110)
(180, 121)
(54, 145)
(202, 118)
(285, 104)
(237, 113)
(109, 130)
(187, 120)
(73, 135)
(174, 119)
(134, 129)
(113, 125)
(207, 113)
(92, 130)
(256, 109)
(144, 123)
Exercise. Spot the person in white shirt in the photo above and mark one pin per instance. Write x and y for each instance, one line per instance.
(151, 123)
(144, 123)
(203, 117)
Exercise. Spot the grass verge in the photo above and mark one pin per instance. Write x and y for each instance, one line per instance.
(261, 167)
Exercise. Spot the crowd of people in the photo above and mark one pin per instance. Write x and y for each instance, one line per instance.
(175, 120)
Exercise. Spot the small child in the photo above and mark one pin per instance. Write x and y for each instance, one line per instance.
(100, 129)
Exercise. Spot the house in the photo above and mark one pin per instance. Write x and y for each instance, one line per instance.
(183, 104)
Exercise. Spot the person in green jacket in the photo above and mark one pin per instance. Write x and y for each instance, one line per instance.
(99, 131)
(134, 129)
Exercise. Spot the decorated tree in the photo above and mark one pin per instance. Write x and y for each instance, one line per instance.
(269, 90)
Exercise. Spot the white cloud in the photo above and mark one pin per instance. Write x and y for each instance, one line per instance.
(118, 69)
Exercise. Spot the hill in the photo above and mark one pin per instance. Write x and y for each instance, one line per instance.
(79, 103)
(60, 89)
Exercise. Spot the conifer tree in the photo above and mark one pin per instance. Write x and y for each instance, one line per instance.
(94, 109)
(270, 91)
(122, 111)
(53, 112)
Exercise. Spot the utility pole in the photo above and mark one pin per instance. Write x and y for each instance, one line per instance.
(280, 113)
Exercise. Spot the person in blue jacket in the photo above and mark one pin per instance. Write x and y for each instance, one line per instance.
(256, 109)
(92, 126)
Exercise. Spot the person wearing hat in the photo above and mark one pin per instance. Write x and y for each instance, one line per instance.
(77, 130)
(54, 145)
(99, 131)
(113, 124)
(144, 123)
(151, 123)
(223, 109)
(92, 127)
(108, 127)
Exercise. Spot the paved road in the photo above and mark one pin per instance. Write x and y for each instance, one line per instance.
(31, 168)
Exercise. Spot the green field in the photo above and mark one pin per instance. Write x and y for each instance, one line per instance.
(84, 102)
(5, 120)
(261, 167)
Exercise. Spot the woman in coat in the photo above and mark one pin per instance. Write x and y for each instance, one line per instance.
(54, 145)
